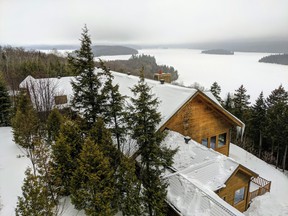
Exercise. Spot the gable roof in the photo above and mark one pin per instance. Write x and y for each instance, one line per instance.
(192, 199)
(171, 97)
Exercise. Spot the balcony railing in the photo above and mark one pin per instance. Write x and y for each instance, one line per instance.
(264, 186)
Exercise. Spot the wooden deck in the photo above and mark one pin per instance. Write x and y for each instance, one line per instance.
(264, 186)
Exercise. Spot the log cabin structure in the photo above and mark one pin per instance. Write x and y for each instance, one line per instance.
(204, 162)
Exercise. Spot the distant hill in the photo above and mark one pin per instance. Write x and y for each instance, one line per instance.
(104, 50)
(276, 59)
(136, 62)
(218, 52)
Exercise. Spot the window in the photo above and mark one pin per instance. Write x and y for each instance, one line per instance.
(239, 195)
(213, 142)
(62, 99)
(205, 142)
(222, 140)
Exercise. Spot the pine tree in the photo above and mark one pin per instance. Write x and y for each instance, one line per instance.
(54, 122)
(114, 112)
(65, 153)
(92, 182)
(216, 90)
(35, 199)
(241, 103)
(87, 98)
(144, 120)
(258, 121)
(5, 104)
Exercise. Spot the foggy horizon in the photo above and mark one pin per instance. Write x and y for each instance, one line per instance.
(39, 22)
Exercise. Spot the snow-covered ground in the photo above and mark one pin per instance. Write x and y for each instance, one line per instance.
(274, 203)
(12, 174)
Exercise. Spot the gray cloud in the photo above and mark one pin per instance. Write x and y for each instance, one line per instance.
(135, 21)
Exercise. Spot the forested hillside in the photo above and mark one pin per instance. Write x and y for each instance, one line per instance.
(135, 63)
(17, 63)
(266, 122)
(276, 59)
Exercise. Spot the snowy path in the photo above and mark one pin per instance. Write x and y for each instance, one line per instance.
(274, 203)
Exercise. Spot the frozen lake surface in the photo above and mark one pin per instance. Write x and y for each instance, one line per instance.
(230, 71)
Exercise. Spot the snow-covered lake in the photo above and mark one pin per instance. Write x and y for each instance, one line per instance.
(230, 71)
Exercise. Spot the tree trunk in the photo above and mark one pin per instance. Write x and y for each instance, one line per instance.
(277, 157)
(260, 145)
(284, 158)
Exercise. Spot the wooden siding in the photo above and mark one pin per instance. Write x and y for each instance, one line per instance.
(239, 180)
(199, 119)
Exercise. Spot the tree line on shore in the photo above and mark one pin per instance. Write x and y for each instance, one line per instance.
(266, 122)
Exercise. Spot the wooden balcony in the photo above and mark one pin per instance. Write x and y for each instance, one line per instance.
(260, 186)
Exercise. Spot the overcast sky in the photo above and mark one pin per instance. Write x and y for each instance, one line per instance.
(27, 22)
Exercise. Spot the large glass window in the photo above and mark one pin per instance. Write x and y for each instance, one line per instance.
(239, 195)
(213, 142)
(205, 142)
(221, 140)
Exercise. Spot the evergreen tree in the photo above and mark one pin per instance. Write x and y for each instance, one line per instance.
(35, 199)
(216, 90)
(228, 103)
(128, 187)
(65, 153)
(92, 182)
(5, 104)
(277, 104)
(241, 103)
(258, 121)
(87, 98)
(54, 122)
(114, 112)
(144, 120)
(25, 122)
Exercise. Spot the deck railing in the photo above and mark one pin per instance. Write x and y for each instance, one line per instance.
(264, 186)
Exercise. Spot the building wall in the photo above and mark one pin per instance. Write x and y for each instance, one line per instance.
(236, 182)
(199, 120)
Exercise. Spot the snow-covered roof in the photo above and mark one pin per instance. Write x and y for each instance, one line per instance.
(199, 171)
(193, 199)
(171, 97)
(200, 163)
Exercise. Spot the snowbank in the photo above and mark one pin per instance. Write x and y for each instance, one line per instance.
(274, 203)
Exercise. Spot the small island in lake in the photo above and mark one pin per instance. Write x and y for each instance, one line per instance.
(276, 59)
(104, 50)
(218, 52)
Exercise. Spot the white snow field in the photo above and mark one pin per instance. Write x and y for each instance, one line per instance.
(12, 174)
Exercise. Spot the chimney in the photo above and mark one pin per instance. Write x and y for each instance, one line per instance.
(128, 73)
(187, 139)
(162, 81)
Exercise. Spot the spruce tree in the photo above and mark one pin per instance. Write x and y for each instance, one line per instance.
(144, 120)
(65, 153)
(241, 103)
(87, 98)
(92, 181)
(228, 103)
(5, 104)
(114, 107)
(277, 104)
(128, 186)
(258, 121)
(216, 90)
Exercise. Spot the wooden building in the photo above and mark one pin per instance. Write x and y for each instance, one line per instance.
(205, 121)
